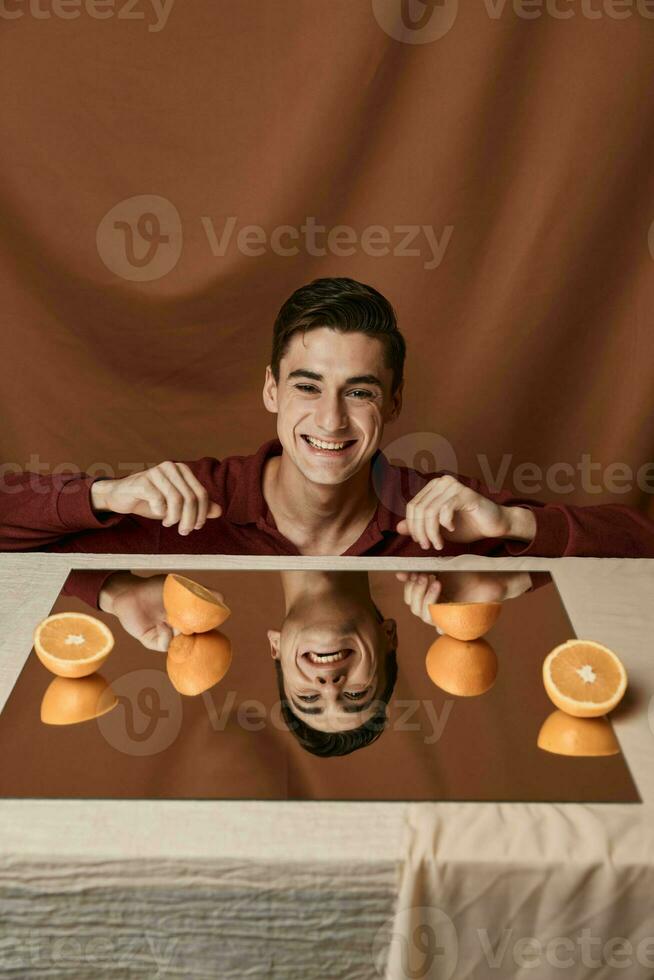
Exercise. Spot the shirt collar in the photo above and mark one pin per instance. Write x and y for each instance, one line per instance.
(247, 504)
(395, 486)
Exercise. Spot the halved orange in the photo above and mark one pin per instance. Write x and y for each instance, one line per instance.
(564, 734)
(69, 700)
(584, 678)
(195, 663)
(465, 669)
(464, 620)
(190, 607)
(72, 644)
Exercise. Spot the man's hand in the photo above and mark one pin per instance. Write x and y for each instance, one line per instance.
(137, 603)
(446, 509)
(168, 492)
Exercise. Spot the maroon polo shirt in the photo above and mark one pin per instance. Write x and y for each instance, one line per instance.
(54, 514)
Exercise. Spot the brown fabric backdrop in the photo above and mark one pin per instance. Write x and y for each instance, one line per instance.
(532, 138)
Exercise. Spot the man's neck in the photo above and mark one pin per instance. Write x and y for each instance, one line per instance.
(303, 587)
(310, 513)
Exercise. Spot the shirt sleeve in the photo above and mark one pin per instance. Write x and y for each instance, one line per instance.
(87, 584)
(67, 523)
(566, 530)
(38, 511)
(54, 513)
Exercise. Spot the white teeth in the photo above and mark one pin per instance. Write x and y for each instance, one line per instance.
(332, 658)
(319, 444)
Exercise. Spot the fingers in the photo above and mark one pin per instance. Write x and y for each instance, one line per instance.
(420, 591)
(431, 510)
(174, 498)
(138, 494)
(157, 637)
(186, 501)
(201, 495)
(433, 529)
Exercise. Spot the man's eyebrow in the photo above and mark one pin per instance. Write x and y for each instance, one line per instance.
(359, 379)
(306, 711)
(350, 709)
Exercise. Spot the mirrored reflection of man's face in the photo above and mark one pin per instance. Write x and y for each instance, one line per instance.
(332, 649)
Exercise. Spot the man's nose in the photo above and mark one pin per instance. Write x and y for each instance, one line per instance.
(336, 678)
(330, 414)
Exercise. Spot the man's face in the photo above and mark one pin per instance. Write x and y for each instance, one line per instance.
(333, 655)
(332, 402)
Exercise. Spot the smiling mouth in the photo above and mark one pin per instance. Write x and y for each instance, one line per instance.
(335, 657)
(329, 446)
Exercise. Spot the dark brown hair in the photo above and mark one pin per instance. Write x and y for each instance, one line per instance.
(342, 304)
(338, 743)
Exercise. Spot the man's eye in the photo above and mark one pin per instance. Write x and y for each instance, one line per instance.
(361, 394)
(355, 695)
(307, 698)
(307, 389)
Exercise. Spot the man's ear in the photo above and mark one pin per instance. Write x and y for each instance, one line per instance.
(389, 627)
(274, 638)
(270, 391)
(396, 403)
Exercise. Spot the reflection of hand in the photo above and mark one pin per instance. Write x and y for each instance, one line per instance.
(421, 589)
(445, 504)
(168, 492)
(137, 603)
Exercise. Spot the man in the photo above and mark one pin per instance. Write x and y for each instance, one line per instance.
(323, 487)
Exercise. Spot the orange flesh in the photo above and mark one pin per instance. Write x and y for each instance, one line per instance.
(565, 670)
(197, 589)
(60, 639)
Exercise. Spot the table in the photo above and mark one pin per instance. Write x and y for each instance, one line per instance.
(225, 889)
